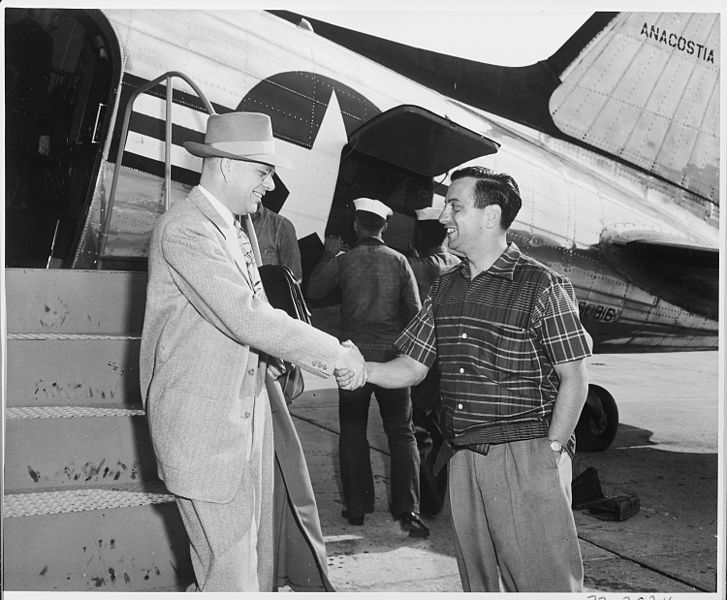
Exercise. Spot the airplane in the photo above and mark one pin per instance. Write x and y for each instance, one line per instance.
(130, 85)
(632, 95)
(585, 92)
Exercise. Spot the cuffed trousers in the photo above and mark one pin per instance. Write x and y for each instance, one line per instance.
(512, 519)
(223, 549)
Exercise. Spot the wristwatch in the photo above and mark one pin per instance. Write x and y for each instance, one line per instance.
(556, 446)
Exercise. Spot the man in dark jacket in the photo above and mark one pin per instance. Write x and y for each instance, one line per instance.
(379, 297)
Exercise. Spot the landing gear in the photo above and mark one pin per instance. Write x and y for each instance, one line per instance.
(597, 426)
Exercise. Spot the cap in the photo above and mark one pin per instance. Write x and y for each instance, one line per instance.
(430, 213)
(373, 206)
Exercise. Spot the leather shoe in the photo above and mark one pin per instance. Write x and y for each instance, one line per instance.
(413, 524)
(351, 519)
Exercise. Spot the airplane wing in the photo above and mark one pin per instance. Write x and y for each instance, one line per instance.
(641, 88)
(684, 275)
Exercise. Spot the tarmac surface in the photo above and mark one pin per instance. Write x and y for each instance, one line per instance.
(666, 452)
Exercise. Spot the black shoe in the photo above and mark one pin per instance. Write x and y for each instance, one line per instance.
(413, 524)
(352, 520)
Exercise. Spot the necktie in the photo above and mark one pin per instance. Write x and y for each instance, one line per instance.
(249, 256)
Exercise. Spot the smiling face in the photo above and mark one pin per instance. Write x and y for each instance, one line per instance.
(467, 226)
(246, 184)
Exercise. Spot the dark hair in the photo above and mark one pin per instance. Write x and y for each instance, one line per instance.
(493, 188)
(369, 222)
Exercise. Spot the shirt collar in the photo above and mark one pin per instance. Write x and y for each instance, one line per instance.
(221, 209)
(504, 266)
(371, 241)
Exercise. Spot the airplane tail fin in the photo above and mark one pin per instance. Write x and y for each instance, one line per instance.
(646, 91)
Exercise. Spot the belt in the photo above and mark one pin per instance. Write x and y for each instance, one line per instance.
(448, 449)
(477, 440)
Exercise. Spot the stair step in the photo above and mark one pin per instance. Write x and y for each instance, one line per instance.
(83, 508)
(71, 412)
(57, 446)
(45, 372)
(74, 301)
(79, 499)
(60, 501)
(128, 538)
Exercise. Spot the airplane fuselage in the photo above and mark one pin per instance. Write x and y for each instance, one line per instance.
(577, 216)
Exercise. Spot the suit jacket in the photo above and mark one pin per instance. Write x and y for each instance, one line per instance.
(201, 377)
(202, 333)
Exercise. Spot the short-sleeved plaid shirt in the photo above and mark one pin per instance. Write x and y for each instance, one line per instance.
(496, 338)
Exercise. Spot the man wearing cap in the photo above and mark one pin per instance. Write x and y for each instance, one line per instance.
(429, 258)
(511, 349)
(379, 297)
(208, 330)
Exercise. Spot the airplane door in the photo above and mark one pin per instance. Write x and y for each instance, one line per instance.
(48, 196)
(394, 158)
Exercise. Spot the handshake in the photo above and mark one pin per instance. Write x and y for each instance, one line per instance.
(350, 370)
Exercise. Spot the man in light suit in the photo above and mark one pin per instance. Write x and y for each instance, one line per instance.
(208, 330)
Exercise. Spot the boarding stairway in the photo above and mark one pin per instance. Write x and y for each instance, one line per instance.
(83, 508)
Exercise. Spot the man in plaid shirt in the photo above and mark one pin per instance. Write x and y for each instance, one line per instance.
(511, 350)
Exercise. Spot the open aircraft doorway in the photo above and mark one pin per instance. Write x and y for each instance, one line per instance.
(395, 158)
(60, 66)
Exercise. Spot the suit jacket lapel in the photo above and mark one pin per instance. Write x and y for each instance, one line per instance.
(201, 202)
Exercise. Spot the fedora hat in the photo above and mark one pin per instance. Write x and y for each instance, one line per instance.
(239, 136)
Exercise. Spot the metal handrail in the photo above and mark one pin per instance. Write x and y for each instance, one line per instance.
(168, 76)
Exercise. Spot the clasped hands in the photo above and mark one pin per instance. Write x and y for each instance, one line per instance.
(350, 371)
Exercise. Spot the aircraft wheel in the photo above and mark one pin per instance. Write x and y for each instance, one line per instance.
(597, 425)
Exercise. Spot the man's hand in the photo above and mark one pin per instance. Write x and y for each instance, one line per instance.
(276, 367)
(351, 371)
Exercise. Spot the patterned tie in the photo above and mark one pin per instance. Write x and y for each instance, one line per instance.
(246, 248)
